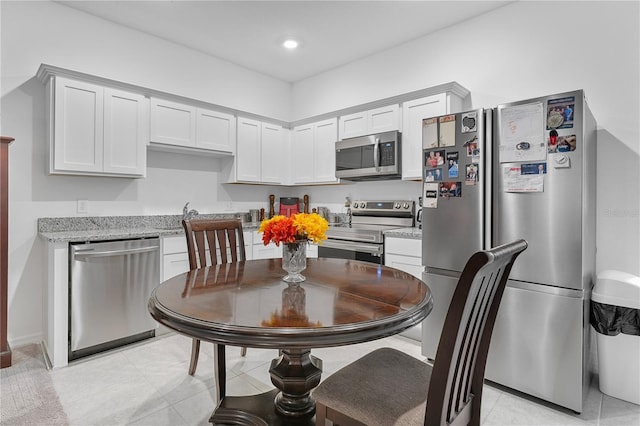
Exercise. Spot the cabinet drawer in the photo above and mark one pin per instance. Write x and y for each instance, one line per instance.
(410, 265)
(403, 246)
(174, 244)
(174, 264)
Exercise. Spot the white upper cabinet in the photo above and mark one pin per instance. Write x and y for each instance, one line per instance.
(353, 125)
(260, 152)
(248, 157)
(314, 154)
(215, 130)
(413, 112)
(302, 145)
(273, 154)
(368, 122)
(95, 130)
(126, 130)
(172, 123)
(324, 161)
(187, 126)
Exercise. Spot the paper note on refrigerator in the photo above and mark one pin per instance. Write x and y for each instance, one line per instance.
(430, 133)
(522, 133)
(430, 195)
(514, 181)
(447, 135)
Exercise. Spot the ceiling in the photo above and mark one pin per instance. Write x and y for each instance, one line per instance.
(250, 33)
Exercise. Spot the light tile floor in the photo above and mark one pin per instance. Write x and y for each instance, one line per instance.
(147, 384)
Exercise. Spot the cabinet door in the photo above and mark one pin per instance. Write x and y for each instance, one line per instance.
(383, 119)
(302, 147)
(404, 254)
(215, 130)
(408, 264)
(78, 127)
(324, 153)
(270, 251)
(274, 158)
(353, 125)
(126, 132)
(173, 123)
(413, 112)
(312, 251)
(248, 150)
(174, 264)
(248, 244)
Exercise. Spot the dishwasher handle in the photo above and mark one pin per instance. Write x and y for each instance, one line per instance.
(89, 253)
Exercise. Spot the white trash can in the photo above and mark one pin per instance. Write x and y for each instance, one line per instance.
(615, 316)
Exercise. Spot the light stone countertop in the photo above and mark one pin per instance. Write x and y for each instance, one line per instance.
(412, 233)
(100, 228)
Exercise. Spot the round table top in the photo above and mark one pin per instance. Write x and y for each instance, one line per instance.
(247, 303)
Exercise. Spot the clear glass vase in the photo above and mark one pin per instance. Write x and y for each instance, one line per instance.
(294, 260)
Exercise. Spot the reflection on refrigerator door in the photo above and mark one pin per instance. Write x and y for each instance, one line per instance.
(442, 288)
(537, 342)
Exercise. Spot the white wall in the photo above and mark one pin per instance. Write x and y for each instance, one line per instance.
(42, 32)
(524, 50)
(537, 49)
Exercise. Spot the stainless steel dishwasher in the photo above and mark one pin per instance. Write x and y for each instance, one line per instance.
(110, 283)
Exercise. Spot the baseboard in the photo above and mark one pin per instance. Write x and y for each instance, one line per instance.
(26, 340)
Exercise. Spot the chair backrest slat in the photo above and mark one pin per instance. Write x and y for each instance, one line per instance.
(216, 235)
(458, 371)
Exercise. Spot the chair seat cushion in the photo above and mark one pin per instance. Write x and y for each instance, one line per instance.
(385, 387)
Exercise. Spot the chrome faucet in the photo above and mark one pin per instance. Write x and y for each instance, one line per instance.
(188, 214)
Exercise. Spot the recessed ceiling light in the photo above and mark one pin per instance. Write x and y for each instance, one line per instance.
(290, 44)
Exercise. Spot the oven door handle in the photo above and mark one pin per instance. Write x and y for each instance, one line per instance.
(351, 246)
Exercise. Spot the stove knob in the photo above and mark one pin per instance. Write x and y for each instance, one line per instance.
(396, 205)
(356, 205)
(405, 206)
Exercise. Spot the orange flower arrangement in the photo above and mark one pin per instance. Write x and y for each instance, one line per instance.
(298, 227)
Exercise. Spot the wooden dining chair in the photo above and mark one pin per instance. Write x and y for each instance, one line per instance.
(389, 387)
(212, 242)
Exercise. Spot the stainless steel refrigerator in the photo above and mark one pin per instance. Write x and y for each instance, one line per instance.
(521, 170)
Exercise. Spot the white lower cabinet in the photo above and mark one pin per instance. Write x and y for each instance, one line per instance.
(175, 258)
(272, 251)
(260, 251)
(405, 254)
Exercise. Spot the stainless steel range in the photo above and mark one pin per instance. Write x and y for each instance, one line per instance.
(362, 238)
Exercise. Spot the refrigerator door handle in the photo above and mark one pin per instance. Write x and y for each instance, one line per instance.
(443, 272)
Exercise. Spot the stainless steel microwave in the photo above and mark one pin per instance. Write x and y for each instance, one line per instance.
(372, 157)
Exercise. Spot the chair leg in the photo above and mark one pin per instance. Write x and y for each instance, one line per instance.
(321, 413)
(243, 351)
(195, 351)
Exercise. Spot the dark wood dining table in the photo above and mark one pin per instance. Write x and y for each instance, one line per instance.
(341, 302)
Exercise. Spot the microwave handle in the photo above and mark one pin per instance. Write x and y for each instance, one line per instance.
(376, 153)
